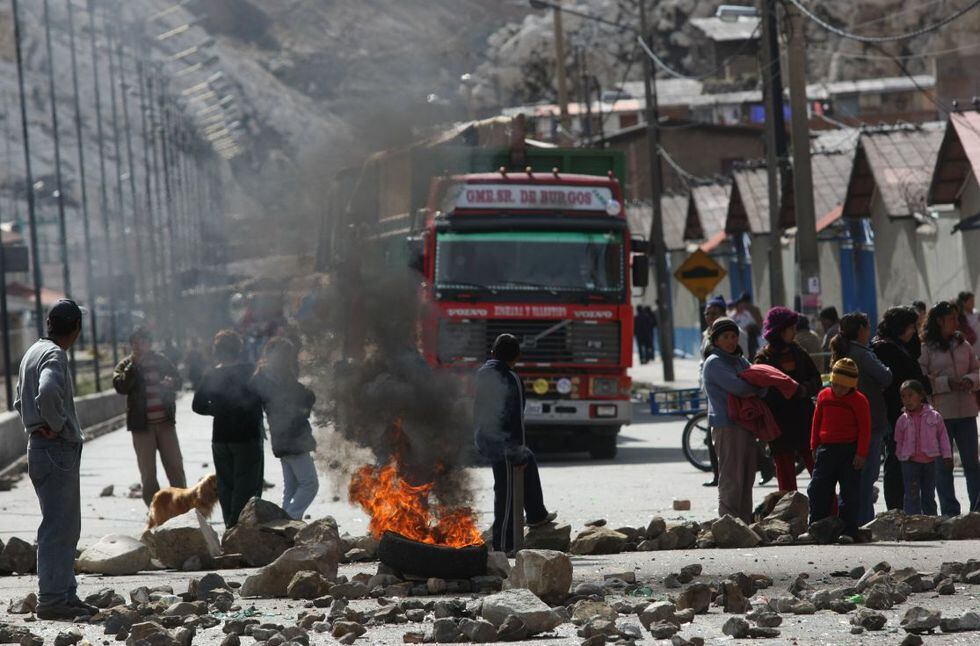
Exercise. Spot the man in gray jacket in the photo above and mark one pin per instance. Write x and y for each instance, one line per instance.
(47, 409)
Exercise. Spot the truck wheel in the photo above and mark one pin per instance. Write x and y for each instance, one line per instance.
(603, 444)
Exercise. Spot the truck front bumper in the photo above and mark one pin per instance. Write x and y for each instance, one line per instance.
(578, 412)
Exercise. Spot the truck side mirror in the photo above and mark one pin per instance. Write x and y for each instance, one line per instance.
(641, 271)
(639, 244)
(416, 253)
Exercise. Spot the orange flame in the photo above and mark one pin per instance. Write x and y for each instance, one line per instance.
(397, 506)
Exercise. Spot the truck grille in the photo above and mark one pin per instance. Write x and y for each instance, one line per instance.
(588, 342)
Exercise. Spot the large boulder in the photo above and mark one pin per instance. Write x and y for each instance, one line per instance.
(323, 530)
(550, 536)
(598, 540)
(273, 580)
(963, 527)
(523, 604)
(181, 538)
(263, 532)
(259, 512)
(793, 508)
(887, 526)
(546, 573)
(114, 555)
(18, 556)
(731, 532)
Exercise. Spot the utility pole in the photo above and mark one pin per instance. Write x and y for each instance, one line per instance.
(775, 144)
(147, 137)
(117, 151)
(808, 254)
(103, 193)
(56, 133)
(31, 210)
(8, 380)
(665, 320)
(86, 229)
(566, 122)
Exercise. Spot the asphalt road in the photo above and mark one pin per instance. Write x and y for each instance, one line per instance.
(649, 473)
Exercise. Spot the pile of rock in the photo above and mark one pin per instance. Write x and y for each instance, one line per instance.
(17, 557)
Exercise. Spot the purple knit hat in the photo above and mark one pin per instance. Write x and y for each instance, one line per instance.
(778, 319)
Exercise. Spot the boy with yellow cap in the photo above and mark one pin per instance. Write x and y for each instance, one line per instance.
(840, 437)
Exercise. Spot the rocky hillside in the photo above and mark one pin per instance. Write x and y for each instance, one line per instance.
(319, 83)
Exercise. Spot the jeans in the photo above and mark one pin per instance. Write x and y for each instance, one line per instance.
(158, 437)
(869, 476)
(53, 468)
(894, 487)
(239, 467)
(503, 505)
(300, 484)
(962, 431)
(834, 466)
(737, 460)
(920, 486)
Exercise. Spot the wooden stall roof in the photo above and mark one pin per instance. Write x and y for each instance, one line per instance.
(748, 208)
(959, 156)
(674, 206)
(706, 210)
(897, 163)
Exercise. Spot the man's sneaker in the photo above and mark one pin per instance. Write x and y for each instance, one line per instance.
(544, 521)
(61, 612)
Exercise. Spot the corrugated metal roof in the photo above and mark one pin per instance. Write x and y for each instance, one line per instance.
(880, 84)
(748, 209)
(718, 30)
(674, 206)
(897, 162)
(669, 91)
(958, 157)
(707, 210)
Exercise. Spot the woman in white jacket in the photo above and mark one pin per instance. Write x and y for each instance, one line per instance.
(951, 365)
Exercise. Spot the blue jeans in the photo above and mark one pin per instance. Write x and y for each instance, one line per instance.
(300, 484)
(920, 486)
(869, 476)
(53, 468)
(962, 431)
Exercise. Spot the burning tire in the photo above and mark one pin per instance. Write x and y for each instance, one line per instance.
(424, 559)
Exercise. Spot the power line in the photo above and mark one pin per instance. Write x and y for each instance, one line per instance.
(713, 73)
(685, 175)
(876, 57)
(882, 39)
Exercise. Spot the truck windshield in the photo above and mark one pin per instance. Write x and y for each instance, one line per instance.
(541, 262)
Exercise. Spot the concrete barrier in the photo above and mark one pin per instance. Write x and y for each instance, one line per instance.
(97, 414)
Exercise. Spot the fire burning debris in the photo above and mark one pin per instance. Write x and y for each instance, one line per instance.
(397, 506)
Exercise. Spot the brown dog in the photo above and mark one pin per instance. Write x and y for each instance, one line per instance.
(174, 501)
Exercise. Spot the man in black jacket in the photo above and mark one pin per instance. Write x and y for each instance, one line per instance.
(498, 413)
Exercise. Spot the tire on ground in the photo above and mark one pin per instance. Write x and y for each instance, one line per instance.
(423, 559)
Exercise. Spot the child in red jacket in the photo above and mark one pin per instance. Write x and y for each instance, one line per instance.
(839, 437)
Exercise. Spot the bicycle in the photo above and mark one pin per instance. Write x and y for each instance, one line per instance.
(691, 404)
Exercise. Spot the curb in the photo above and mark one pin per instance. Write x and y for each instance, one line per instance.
(95, 431)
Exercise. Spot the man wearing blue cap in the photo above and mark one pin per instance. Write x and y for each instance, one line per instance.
(45, 401)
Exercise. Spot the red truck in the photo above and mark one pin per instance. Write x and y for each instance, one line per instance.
(549, 258)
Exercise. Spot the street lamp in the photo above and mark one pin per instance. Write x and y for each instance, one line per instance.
(664, 314)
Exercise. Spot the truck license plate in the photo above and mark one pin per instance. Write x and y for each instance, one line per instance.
(534, 408)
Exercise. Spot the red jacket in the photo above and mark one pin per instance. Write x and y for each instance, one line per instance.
(842, 420)
(752, 414)
(764, 375)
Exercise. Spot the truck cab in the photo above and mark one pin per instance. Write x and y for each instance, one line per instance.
(548, 258)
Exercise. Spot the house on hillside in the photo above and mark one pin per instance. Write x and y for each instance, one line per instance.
(955, 190)
(916, 256)
(729, 47)
(693, 151)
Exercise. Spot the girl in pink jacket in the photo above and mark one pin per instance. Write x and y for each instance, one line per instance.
(920, 440)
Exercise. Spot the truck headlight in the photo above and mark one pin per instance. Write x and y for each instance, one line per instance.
(605, 387)
(564, 386)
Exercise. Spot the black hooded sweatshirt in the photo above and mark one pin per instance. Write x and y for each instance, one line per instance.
(225, 394)
(498, 412)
